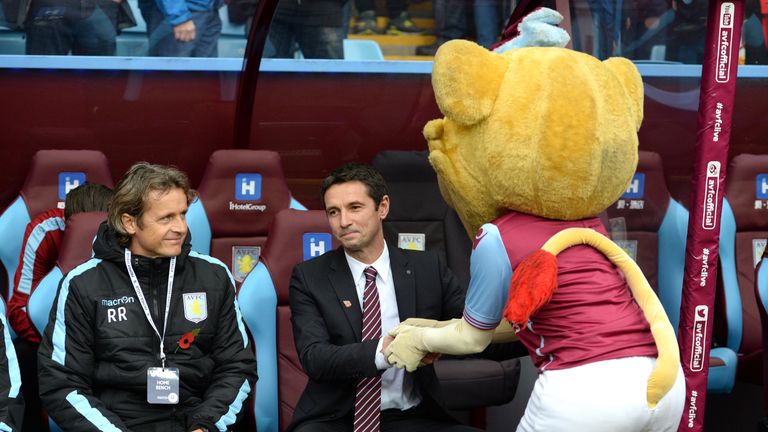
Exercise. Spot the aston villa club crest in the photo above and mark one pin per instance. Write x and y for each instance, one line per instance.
(195, 307)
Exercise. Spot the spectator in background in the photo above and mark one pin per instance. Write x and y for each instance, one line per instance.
(39, 252)
(85, 27)
(11, 400)
(752, 33)
(646, 24)
(182, 28)
(487, 26)
(400, 21)
(315, 26)
(686, 39)
(450, 23)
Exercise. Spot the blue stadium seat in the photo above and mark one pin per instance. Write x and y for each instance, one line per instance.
(239, 195)
(294, 237)
(11, 42)
(233, 38)
(761, 293)
(743, 234)
(362, 49)
(76, 248)
(52, 174)
(133, 41)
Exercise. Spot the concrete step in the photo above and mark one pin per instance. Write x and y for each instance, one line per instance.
(427, 24)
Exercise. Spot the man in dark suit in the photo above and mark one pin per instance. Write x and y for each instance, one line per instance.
(344, 302)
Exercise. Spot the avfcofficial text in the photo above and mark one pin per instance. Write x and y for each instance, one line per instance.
(722, 64)
(249, 207)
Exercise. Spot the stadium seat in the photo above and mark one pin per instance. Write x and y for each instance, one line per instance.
(761, 294)
(294, 237)
(652, 228)
(362, 49)
(240, 193)
(743, 234)
(419, 217)
(232, 40)
(133, 41)
(76, 248)
(52, 174)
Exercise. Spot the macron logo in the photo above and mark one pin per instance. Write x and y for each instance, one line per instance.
(315, 244)
(69, 181)
(248, 187)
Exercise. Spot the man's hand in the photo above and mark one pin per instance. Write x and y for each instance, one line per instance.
(184, 32)
(407, 350)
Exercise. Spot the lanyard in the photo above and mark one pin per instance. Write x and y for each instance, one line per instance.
(143, 301)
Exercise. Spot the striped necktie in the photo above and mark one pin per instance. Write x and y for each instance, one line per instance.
(368, 394)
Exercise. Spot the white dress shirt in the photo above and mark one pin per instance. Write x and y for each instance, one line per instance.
(397, 389)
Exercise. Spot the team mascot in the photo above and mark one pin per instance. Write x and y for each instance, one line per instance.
(535, 143)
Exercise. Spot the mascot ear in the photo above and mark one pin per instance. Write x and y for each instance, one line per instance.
(632, 82)
(458, 68)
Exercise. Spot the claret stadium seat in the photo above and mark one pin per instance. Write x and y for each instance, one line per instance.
(52, 174)
(240, 193)
(295, 236)
(652, 228)
(743, 234)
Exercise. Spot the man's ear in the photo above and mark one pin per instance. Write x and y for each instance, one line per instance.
(466, 78)
(129, 223)
(384, 207)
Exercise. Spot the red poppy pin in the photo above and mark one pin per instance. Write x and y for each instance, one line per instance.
(186, 339)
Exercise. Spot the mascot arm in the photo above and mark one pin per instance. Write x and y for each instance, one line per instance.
(663, 376)
(487, 293)
(456, 337)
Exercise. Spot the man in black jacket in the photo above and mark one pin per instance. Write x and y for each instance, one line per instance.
(146, 336)
(344, 302)
(11, 399)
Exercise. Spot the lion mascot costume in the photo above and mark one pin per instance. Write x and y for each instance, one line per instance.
(535, 143)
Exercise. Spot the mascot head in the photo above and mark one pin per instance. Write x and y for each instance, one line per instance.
(546, 131)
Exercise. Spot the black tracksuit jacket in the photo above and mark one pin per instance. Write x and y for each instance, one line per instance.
(93, 362)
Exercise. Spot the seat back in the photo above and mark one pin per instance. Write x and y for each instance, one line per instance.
(419, 217)
(295, 236)
(52, 175)
(362, 49)
(76, 248)
(743, 234)
(240, 193)
(652, 228)
(761, 294)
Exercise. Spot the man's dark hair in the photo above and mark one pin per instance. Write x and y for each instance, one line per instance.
(365, 174)
(133, 190)
(89, 197)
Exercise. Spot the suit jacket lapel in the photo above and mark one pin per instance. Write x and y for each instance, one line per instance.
(405, 285)
(341, 280)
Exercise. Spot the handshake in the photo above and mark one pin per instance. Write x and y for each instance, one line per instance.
(419, 342)
(405, 348)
